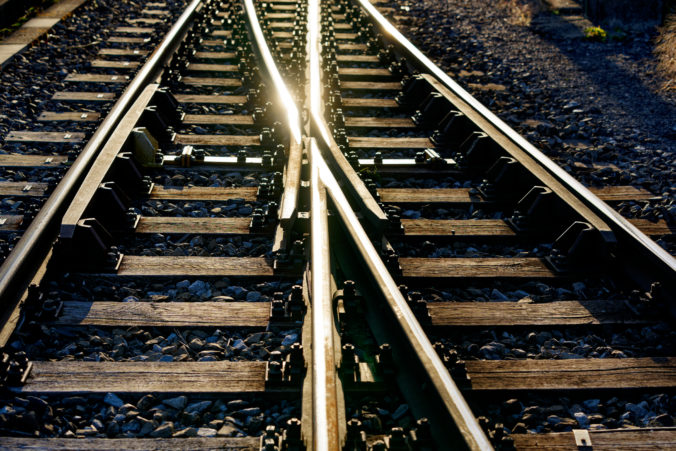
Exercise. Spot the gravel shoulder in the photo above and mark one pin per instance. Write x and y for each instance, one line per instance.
(576, 100)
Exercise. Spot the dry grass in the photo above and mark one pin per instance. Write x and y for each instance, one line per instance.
(521, 12)
(665, 49)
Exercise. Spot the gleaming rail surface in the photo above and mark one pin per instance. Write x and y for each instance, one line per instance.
(326, 200)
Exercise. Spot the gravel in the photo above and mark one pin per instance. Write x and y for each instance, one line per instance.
(196, 245)
(30, 80)
(197, 177)
(378, 415)
(576, 100)
(529, 292)
(214, 289)
(229, 208)
(135, 344)
(570, 343)
(541, 414)
(151, 416)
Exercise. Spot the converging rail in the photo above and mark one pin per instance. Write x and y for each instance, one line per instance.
(294, 231)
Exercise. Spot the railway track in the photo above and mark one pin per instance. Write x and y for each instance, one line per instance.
(300, 233)
(69, 108)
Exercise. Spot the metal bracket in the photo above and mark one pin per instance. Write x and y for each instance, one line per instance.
(146, 149)
(582, 439)
(287, 310)
(579, 244)
(14, 369)
(289, 371)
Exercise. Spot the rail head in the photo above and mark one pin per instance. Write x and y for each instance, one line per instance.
(453, 401)
(288, 204)
(443, 384)
(325, 391)
(358, 191)
(618, 224)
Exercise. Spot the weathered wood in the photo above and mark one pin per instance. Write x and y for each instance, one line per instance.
(84, 116)
(132, 444)
(622, 193)
(204, 226)
(248, 193)
(222, 33)
(134, 30)
(145, 377)
(357, 59)
(215, 55)
(107, 64)
(650, 228)
(371, 86)
(278, 25)
(23, 36)
(218, 119)
(357, 102)
(432, 195)
(364, 72)
(123, 52)
(23, 189)
(97, 78)
(282, 35)
(210, 99)
(474, 268)
(213, 43)
(561, 313)
(476, 228)
(154, 12)
(133, 265)
(368, 142)
(31, 161)
(127, 40)
(277, 7)
(573, 374)
(346, 36)
(10, 223)
(378, 122)
(644, 439)
(144, 20)
(205, 67)
(218, 140)
(61, 9)
(283, 16)
(68, 96)
(45, 137)
(165, 314)
(212, 81)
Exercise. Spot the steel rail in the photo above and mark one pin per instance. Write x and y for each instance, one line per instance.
(320, 130)
(441, 379)
(33, 245)
(617, 222)
(448, 391)
(288, 204)
(326, 426)
(325, 419)
(269, 65)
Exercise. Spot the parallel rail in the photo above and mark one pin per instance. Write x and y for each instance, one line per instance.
(346, 216)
